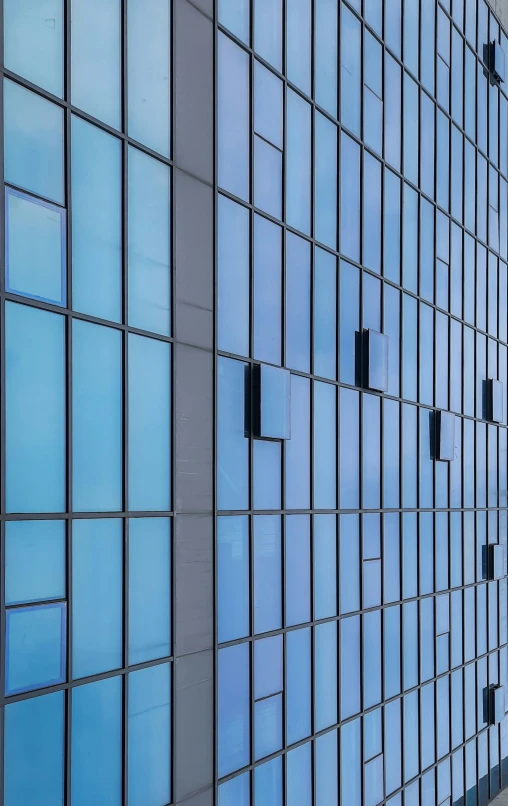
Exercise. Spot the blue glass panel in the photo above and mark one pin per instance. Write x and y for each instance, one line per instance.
(350, 70)
(373, 12)
(372, 741)
(411, 743)
(349, 564)
(427, 636)
(268, 31)
(35, 651)
(428, 49)
(233, 708)
(427, 250)
(426, 552)
(325, 565)
(33, 142)
(148, 73)
(349, 667)
(268, 726)
(267, 474)
(233, 577)
(326, 769)
(325, 54)
(371, 452)
(392, 106)
(96, 58)
(267, 178)
(393, 20)
(410, 244)
(409, 347)
(443, 161)
(371, 658)
(374, 783)
(268, 666)
(391, 231)
(427, 726)
(427, 155)
(349, 449)
(391, 453)
(149, 731)
(325, 181)
(442, 553)
(349, 197)
(457, 177)
(149, 243)
(325, 446)
(410, 555)
(298, 44)
(297, 558)
(481, 197)
(268, 782)
(33, 42)
(457, 708)
(267, 573)
(298, 685)
(392, 652)
(96, 749)
(372, 583)
(351, 763)
(96, 418)
(297, 449)
(35, 410)
(325, 675)
(297, 303)
(233, 117)
(34, 751)
(410, 638)
(268, 105)
(299, 776)
(96, 221)
(392, 746)
(391, 558)
(34, 561)
(411, 34)
(149, 589)
(325, 314)
(267, 287)
(97, 571)
(298, 162)
(235, 792)
(410, 129)
(149, 424)
(458, 776)
(426, 354)
(372, 213)
(349, 298)
(233, 277)
(443, 716)
(35, 263)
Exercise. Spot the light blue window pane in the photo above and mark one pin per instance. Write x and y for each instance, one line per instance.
(391, 456)
(149, 424)
(96, 221)
(268, 32)
(326, 770)
(298, 43)
(233, 577)
(349, 564)
(34, 751)
(148, 73)
(325, 566)
(268, 666)
(373, 12)
(411, 34)
(232, 444)
(325, 54)
(267, 474)
(268, 105)
(325, 446)
(35, 410)
(267, 290)
(298, 447)
(392, 652)
(33, 142)
(96, 58)
(392, 224)
(410, 129)
(268, 726)
(35, 647)
(350, 71)
(351, 763)
(393, 19)
(233, 118)
(427, 250)
(410, 660)
(349, 298)
(267, 573)
(96, 417)
(235, 15)
(233, 708)
(299, 776)
(35, 263)
(298, 685)
(267, 178)
(97, 571)
(325, 675)
(268, 783)
(349, 667)
(325, 181)
(233, 270)
(392, 746)
(149, 732)
(297, 303)
(410, 245)
(325, 314)
(297, 556)
(371, 470)
(371, 658)
(427, 155)
(33, 42)
(392, 108)
(298, 162)
(349, 197)
(34, 561)
(96, 749)
(372, 213)
(149, 250)
(149, 589)
(235, 792)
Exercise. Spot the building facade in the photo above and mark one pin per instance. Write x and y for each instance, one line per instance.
(253, 403)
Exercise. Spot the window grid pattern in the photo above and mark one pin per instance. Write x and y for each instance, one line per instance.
(356, 538)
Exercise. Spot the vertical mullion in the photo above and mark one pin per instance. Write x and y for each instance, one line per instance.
(2, 421)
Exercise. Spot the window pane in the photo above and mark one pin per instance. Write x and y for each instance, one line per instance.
(298, 682)
(325, 566)
(96, 221)
(232, 444)
(349, 198)
(298, 44)
(350, 763)
(325, 675)
(149, 424)
(325, 314)
(233, 118)
(233, 577)
(268, 105)
(33, 142)
(326, 769)
(298, 162)
(297, 576)
(97, 418)
(235, 792)
(298, 447)
(97, 571)
(299, 776)
(268, 31)
(35, 410)
(325, 446)
(149, 589)
(267, 474)
(267, 573)
(325, 55)
(35, 647)
(148, 75)
(96, 743)
(268, 782)
(325, 181)
(233, 709)
(149, 731)
(235, 15)
(34, 561)
(149, 249)
(268, 666)
(350, 70)
(349, 667)
(33, 42)
(96, 58)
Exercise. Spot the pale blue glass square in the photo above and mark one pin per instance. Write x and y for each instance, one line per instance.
(35, 647)
(33, 41)
(34, 561)
(235, 15)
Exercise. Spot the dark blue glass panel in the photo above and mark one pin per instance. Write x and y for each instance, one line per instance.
(235, 792)
(325, 446)
(410, 165)
(392, 651)
(351, 763)
(350, 198)
(233, 708)
(457, 76)
(349, 297)
(411, 743)
(325, 55)
(233, 277)
(470, 699)
(35, 647)
(481, 620)
(325, 314)
(372, 213)
(469, 624)
(393, 747)
(371, 658)
(297, 449)
(392, 221)
(298, 162)
(267, 573)
(325, 181)
(469, 387)
(96, 743)
(371, 464)
(443, 716)
(298, 685)
(297, 559)
(233, 577)
(481, 198)
(34, 561)
(326, 769)
(268, 782)
(442, 362)
(233, 117)
(373, 93)
(267, 726)
(232, 444)
(350, 71)
(392, 105)
(349, 564)
(349, 667)
(267, 290)
(456, 549)
(297, 303)
(481, 464)
(299, 776)
(349, 444)
(325, 565)
(325, 675)
(410, 637)
(481, 686)
(268, 669)
(34, 751)
(409, 347)
(469, 183)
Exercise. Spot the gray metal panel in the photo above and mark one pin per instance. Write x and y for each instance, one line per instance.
(194, 718)
(194, 583)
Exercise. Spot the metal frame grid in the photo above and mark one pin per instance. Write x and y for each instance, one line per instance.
(493, 655)
(121, 135)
